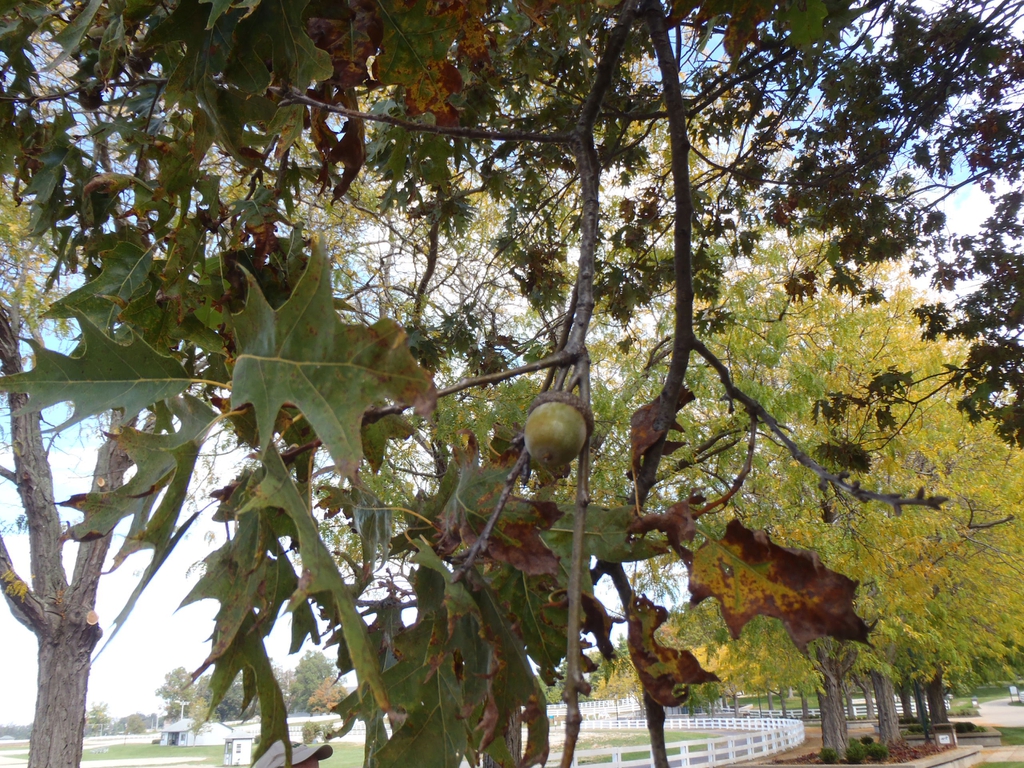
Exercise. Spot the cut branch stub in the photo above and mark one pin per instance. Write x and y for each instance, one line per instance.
(665, 672)
(751, 576)
(644, 434)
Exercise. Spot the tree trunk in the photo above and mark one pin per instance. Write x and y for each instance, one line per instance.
(906, 700)
(782, 699)
(57, 611)
(769, 703)
(805, 710)
(513, 741)
(865, 688)
(656, 731)
(851, 712)
(833, 660)
(888, 722)
(936, 699)
(736, 705)
(64, 661)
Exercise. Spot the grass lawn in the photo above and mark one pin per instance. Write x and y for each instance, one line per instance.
(1013, 737)
(211, 755)
(348, 755)
(1002, 765)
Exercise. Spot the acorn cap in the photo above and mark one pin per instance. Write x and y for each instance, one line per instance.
(560, 396)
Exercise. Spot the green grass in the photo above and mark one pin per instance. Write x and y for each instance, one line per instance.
(346, 755)
(1013, 737)
(1002, 765)
(211, 755)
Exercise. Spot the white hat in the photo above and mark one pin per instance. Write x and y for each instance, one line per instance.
(274, 757)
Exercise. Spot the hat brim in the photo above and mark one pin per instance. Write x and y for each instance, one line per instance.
(304, 752)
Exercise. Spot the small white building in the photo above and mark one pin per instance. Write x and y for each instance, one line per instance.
(238, 748)
(181, 734)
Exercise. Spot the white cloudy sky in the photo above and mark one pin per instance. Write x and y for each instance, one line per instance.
(155, 639)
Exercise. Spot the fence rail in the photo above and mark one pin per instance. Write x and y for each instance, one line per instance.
(766, 736)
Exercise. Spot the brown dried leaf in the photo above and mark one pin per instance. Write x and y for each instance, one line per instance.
(665, 672)
(642, 434)
(516, 538)
(597, 622)
(750, 576)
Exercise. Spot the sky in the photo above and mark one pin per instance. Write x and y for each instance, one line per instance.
(158, 637)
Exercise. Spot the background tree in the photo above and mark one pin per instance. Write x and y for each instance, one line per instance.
(136, 723)
(178, 693)
(311, 673)
(98, 718)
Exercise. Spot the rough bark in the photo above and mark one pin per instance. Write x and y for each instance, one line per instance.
(865, 687)
(513, 741)
(656, 730)
(888, 722)
(57, 611)
(851, 712)
(805, 711)
(936, 699)
(906, 699)
(833, 660)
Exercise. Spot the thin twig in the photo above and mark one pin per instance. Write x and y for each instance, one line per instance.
(551, 361)
(481, 540)
(290, 97)
(740, 478)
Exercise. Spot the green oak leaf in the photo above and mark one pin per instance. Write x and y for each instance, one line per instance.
(320, 575)
(100, 376)
(125, 270)
(304, 355)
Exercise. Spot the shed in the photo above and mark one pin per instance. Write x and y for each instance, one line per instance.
(181, 734)
(238, 748)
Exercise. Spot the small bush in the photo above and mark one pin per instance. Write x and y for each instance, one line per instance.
(828, 755)
(967, 727)
(866, 740)
(908, 720)
(877, 751)
(856, 752)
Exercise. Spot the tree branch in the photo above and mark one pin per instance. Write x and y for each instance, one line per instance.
(24, 605)
(551, 361)
(840, 482)
(290, 97)
(8, 474)
(683, 249)
(32, 470)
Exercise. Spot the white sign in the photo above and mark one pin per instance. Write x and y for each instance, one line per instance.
(944, 738)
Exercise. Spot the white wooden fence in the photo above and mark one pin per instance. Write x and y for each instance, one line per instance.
(763, 737)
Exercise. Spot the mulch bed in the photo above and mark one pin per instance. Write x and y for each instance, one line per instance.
(898, 753)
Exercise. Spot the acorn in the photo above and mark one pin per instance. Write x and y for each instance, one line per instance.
(557, 426)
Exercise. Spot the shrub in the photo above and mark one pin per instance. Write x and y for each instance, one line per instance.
(967, 727)
(856, 752)
(877, 751)
(915, 728)
(828, 755)
(866, 740)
